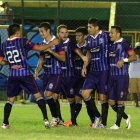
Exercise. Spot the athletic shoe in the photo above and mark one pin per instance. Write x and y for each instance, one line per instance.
(127, 122)
(54, 122)
(101, 126)
(96, 122)
(69, 123)
(90, 125)
(61, 122)
(6, 126)
(115, 127)
(47, 124)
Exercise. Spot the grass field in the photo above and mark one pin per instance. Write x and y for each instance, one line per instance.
(28, 125)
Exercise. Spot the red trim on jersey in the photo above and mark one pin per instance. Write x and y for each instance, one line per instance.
(41, 56)
(34, 47)
(62, 52)
(1, 57)
(130, 51)
(76, 49)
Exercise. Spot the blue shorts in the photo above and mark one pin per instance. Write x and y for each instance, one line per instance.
(65, 86)
(79, 81)
(118, 87)
(50, 82)
(17, 83)
(97, 80)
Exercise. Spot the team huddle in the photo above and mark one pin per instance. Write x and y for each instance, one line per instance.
(98, 61)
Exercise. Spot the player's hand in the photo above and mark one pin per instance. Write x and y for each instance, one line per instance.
(55, 41)
(84, 72)
(49, 50)
(36, 76)
(120, 63)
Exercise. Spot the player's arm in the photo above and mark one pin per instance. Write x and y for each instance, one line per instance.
(39, 67)
(61, 56)
(79, 52)
(132, 57)
(46, 46)
(84, 70)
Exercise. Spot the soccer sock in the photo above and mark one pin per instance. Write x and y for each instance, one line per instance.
(58, 108)
(115, 108)
(91, 107)
(41, 103)
(78, 108)
(7, 111)
(104, 104)
(120, 112)
(72, 110)
(52, 106)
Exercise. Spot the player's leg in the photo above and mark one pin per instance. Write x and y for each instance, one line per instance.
(13, 89)
(7, 111)
(57, 104)
(102, 89)
(89, 85)
(31, 87)
(78, 105)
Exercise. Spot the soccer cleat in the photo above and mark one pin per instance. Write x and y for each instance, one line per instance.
(61, 122)
(6, 126)
(101, 126)
(115, 127)
(127, 122)
(54, 122)
(47, 124)
(96, 122)
(69, 123)
(90, 125)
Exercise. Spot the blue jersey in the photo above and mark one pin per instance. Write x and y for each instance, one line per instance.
(118, 51)
(98, 47)
(51, 64)
(78, 62)
(67, 68)
(15, 51)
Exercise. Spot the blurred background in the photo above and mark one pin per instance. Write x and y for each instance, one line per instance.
(30, 13)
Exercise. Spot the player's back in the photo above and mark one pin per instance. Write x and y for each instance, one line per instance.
(15, 51)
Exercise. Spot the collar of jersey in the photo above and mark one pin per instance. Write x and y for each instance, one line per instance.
(119, 41)
(82, 46)
(67, 40)
(11, 39)
(53, 37)
(100, 32)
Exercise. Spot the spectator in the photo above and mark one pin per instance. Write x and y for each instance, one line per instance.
(134, 74)
(7, 15)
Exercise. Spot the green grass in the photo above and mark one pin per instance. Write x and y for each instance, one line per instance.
(28, 125)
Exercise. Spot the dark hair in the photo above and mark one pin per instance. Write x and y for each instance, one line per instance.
(5, 4)
(12, 29)
(118, 29)
(82, 30)
(46, 25)
(60, 27)
(94, 22)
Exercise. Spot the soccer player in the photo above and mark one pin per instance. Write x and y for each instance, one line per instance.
(15, 49)
(49, 60)
(66, 83)
(81, 34)
(120, 54)
(97, 77)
